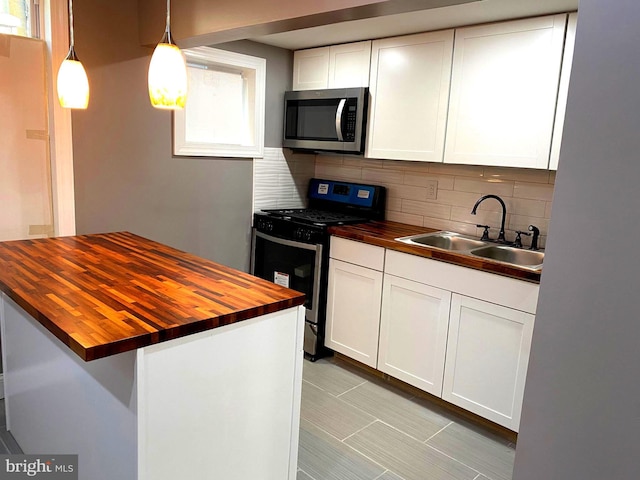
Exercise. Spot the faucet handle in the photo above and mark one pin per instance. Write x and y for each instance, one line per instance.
(485, 234)
(518, 241)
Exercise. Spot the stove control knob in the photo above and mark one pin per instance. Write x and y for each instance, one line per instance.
(264, 225)
(307, 235)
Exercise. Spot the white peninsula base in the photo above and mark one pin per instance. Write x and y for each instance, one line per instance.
(221, 404)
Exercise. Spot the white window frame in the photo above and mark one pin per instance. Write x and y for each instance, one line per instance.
(56, 34)
(254, 71)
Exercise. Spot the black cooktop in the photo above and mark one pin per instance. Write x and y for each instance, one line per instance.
(314, 216)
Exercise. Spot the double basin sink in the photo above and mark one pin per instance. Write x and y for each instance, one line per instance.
(454, 242)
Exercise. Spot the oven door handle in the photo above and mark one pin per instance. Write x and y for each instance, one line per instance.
(289, 243)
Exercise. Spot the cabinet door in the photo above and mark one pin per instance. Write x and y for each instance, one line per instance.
(311, 68)
(563, 92)
(409, 87)
(487, 357)
(503, 93)
(353, 311)
(413, 333)
(349, 65)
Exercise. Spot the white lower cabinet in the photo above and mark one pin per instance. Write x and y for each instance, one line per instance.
(454, 332)
(413, 332)
(353, 311)
(487, 357)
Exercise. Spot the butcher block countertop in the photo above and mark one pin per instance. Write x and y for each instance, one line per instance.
(384, 234)
(110, 293)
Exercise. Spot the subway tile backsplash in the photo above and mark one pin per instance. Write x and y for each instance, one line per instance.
(527, 193)
(281, 179)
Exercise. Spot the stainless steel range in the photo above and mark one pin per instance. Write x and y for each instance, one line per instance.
(290, 247)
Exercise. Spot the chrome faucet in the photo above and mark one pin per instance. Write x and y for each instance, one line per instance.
(500, 238)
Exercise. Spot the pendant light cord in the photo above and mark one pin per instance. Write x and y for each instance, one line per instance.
(167, 29)
(71, 39)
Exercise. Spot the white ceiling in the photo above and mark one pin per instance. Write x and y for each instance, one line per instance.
(414, 22)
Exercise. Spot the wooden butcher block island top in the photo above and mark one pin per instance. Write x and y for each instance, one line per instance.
(384, 234)
(109, 293)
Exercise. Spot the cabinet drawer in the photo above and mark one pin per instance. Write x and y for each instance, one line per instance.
(358, 253)
(510, 292)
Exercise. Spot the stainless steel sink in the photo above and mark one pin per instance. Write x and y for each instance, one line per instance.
(461, 244)
(511, 255)
(443, 240)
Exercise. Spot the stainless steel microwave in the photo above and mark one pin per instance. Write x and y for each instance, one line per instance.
(332, 120)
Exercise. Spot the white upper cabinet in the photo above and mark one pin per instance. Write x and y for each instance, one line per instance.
(504, 88)
(311, 69)
(567, 62)
(338, 66)
(349, 65)
(409, 85)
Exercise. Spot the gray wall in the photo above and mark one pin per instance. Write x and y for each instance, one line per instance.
(125, 175)
(581, 414)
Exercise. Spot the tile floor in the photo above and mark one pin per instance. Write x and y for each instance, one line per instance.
(356, 427)
(8, 444)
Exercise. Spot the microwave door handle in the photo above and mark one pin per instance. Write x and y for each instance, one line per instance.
(339, 119)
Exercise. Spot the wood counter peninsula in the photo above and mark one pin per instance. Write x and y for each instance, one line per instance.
(148, 362)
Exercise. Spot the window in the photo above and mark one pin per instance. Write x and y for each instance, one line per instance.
(224, 115)
(18, 17)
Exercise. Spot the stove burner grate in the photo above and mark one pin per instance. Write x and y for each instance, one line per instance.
(310, 215)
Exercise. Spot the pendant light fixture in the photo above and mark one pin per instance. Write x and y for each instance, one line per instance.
(167, 73)
(72, 82)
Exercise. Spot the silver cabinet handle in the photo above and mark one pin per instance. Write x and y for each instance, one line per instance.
(339, 119)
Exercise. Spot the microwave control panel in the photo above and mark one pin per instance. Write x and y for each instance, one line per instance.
(350, 130)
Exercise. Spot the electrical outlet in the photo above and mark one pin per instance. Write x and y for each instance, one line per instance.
(432, 189)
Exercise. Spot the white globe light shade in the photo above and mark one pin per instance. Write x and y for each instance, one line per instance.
(168, 77)
(73, 85)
